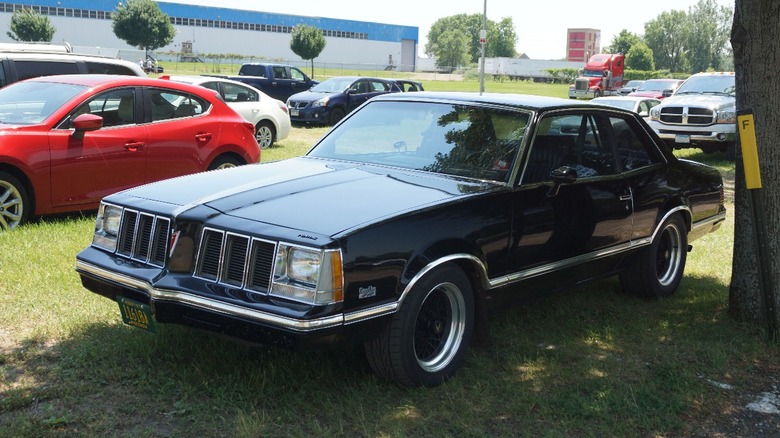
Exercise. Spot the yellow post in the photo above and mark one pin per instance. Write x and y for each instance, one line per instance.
(747, 139)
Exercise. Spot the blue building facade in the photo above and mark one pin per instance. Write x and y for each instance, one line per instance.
(215, 30)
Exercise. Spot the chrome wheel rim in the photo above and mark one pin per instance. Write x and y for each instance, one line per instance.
(264, 136)
(439, 327)
(669, 255)
(11, 206)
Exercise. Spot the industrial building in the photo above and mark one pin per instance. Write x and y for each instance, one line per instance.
(204, 30)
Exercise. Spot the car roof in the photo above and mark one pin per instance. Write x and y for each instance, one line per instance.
(98, 80)
(518, 100)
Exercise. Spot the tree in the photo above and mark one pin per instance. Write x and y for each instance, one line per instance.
(640, 57)
(501, 37)
(451, 49)
(622, 42)
(708, 36)
(756, 22)
(142, 24)
(28, 25)
(667, 36)
(307, 42)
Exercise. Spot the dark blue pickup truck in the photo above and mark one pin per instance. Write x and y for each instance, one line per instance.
(279, 81)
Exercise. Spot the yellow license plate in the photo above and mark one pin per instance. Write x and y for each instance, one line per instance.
(136, 314)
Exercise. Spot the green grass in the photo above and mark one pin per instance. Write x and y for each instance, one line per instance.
(587, 362)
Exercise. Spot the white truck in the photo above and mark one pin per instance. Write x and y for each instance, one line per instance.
(701, 114)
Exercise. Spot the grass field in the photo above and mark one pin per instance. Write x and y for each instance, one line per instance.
(587, 362)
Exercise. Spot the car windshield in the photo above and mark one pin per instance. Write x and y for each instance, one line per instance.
(333, 85)
(656, 86)
(620, 103)
(714, 84)
(468, 141)
(29, 103)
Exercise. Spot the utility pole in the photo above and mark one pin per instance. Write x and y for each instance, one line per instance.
(482, 41)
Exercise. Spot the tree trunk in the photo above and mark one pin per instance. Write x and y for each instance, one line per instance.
(755, 39)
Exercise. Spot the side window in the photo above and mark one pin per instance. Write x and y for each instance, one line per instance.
(579, 141)
(237, 93)
(116, 107)
(379, 86)
(280, 72)
(296, 74)
(108, 69)
(33, 69)
(632, 153)
(3, 80)
(169, 104)
(359, 87)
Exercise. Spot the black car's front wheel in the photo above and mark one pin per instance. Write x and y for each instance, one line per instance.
(426, 341)
(658, 270)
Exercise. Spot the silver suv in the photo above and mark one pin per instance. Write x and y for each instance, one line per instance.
(24, 61)
(701, 114)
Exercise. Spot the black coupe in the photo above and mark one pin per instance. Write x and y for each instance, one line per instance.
(400, 226)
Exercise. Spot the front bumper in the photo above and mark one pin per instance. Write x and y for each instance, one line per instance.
(684, 136)
(318, 114)
(581, 94)
(177, 306)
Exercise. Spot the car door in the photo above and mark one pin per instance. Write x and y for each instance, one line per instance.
(105, 161)
(360, 91)
(181, 135)
(281, 85)
(557, 226)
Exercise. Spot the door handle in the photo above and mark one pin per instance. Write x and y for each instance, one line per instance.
(627, 197)
(203, 138)
(133, 146)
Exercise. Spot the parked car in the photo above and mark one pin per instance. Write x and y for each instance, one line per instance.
(630, 87)
(701, 114)
(425, 210)
(279, 81)
(329, 101)
(20, 61)
(67, 141)
(657, 88)
(638, 104)
(269, 115)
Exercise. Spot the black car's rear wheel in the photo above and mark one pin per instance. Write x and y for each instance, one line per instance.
(426, 341)
(658, 270)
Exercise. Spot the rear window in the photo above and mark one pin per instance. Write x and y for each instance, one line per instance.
(33, 69)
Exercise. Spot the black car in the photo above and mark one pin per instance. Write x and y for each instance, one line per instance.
(329, 101)
(403, 225)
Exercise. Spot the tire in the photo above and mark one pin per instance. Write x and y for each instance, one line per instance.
(224, 162)
(265, 135)
(336, 114)
(658, 270)
(596, 94)
(426, 341)
(14, 202)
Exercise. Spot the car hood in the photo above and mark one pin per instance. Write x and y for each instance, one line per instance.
(310, 96)
(306, 194)
(713, 101)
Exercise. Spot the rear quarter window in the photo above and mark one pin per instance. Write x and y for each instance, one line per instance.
(33, 69)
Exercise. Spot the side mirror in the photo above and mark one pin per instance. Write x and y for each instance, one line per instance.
(668, 92)
(84, 123)
(560, 176)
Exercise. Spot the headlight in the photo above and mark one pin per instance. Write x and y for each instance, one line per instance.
(321, 102)
(107, 226)
(728, 115)
(308, 275)
(655, 113)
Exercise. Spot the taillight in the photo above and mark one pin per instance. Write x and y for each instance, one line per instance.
(282, 106)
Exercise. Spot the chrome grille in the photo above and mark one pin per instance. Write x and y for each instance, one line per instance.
(298, 104)
(144, 237)
(682, 115)
(235, 260)
(581, 84)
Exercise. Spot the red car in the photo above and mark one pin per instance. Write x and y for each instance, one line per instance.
(67, 141)
(657, 88)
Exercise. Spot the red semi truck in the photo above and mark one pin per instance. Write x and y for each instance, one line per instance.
(602, 76)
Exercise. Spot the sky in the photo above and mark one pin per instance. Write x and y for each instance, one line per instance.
(540, 25)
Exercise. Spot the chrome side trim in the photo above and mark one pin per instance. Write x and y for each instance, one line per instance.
(155, 294)
(370, 313)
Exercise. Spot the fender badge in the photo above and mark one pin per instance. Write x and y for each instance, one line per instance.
(366, 292)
